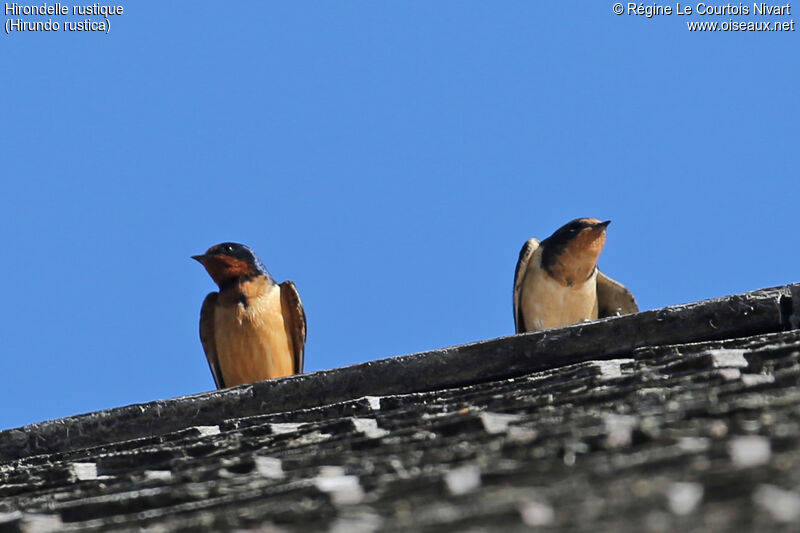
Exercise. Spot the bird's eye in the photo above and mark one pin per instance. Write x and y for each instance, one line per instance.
(228, 248)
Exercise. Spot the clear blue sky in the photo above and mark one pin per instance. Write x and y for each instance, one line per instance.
(389, 157)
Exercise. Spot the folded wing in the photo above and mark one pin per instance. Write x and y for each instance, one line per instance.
(519, 275)
(207, 337)
(613, 298)
(294, 319)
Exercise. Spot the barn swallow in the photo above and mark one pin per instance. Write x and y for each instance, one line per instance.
(557, 281)
(253, 328)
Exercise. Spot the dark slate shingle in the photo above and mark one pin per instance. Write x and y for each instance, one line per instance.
(680, 418)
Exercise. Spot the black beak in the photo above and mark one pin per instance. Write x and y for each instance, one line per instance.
(602, 224)
(199, 258)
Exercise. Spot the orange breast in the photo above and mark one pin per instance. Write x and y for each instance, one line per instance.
(251, 339)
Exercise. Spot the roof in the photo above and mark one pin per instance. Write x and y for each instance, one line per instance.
(684, 417)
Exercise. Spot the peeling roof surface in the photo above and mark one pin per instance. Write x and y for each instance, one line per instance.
(683, 418)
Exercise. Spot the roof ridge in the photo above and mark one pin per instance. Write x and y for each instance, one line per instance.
(757, 312)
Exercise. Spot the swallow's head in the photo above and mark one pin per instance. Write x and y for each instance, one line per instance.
(570, 254)
(230, 261)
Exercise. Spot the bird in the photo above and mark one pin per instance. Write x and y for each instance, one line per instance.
(253, 328)
(557, 283)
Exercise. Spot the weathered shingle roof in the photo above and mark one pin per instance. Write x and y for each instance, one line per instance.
(685, 417)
